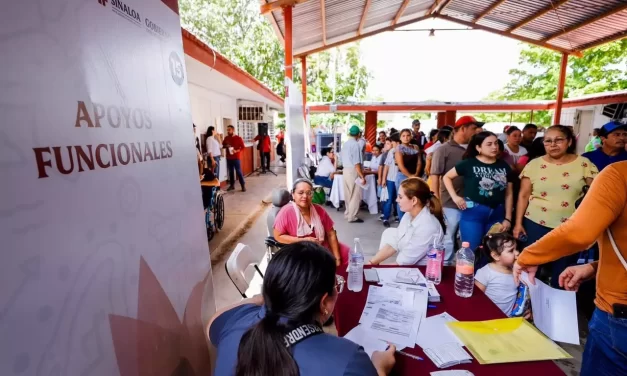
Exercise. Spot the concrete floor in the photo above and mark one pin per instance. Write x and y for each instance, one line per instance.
(369, 233)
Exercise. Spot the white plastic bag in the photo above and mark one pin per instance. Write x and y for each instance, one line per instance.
(384, 194)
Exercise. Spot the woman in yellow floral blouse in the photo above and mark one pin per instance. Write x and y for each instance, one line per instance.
(549, 187)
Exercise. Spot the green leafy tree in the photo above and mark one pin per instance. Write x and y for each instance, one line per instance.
(237, 30)
(600, 69)
(420, 115)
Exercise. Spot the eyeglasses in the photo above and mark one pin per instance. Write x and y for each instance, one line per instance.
(305, 193)
(556, 141)
(339, 283)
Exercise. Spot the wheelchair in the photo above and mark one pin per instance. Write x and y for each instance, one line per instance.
(214, 210)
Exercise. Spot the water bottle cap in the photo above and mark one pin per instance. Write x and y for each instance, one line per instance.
(356, 239)
(466, 245)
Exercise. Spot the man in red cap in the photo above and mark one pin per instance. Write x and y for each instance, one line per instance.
(444, 159)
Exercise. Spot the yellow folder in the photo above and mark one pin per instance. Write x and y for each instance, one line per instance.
(506, 341)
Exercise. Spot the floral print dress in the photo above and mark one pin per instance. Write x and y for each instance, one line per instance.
(555, 188)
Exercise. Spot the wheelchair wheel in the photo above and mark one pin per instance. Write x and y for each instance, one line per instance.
(218, 211)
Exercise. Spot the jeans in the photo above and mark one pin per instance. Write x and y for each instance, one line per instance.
(451, 217)
(400, 177)
(217, 167)
(476, 221)
(387, 206)
(323, 181)
(265, 160)
(553, 269)
(606, 347)
(233, 166)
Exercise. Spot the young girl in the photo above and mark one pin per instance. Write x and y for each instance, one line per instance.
(496, 279)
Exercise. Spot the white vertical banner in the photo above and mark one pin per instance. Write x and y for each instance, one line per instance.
(295, 134)
(104, 262)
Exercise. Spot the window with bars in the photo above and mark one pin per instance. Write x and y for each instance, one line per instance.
(246, 130)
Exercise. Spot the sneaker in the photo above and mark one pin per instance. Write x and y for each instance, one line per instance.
(397, 220)
(386, 224)
(231, 188)
(358, 220)
(380, 217)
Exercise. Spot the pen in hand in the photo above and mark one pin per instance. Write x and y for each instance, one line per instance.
(416, 357)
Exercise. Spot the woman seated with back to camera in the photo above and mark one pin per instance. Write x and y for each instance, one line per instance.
(263, 335)
(421, 226)
(302, 220)
(326, 169)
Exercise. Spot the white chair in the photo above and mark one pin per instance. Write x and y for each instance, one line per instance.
(241, 258)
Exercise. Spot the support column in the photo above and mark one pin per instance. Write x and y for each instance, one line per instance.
(371, 127)
(451, 117)
(303, 78)
(287, 16)
(441, 119)
(560, 89)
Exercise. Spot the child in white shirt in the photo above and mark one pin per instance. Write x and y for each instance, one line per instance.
(496, 279)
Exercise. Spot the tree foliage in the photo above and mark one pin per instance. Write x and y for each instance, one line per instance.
(600, 69)
(420, 115)
(237, 30)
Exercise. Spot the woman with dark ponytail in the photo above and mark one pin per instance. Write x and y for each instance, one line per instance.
(280, 334)
(421, 227)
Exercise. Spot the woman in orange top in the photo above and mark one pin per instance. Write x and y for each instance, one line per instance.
(603, 211)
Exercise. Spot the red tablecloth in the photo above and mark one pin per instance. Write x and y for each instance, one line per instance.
(477, 308)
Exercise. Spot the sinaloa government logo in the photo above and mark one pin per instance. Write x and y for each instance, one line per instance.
(176, 68)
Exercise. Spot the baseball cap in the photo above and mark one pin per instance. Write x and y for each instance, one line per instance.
(611, 127)
(354, 130)
(465, 120)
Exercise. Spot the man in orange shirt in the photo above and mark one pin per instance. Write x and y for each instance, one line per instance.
(601, 217)
(264, 147)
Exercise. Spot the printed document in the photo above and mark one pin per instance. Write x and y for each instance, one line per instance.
(393, 323)
(434, 333)
(554, 311)
(388, 295)
(421, 296)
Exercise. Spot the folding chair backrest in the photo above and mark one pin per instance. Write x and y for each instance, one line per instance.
(241, 258)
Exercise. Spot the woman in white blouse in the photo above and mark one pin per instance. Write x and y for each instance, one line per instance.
(326, 169)
(421, 226)
(214, 151)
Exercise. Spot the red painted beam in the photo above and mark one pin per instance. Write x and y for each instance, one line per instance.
(560, 89)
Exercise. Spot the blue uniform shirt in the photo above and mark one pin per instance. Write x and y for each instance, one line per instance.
(321, 354)
(602, 160)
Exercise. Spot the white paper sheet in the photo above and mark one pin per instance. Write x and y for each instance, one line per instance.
(554, 311)
(376, 294)
(434, 333)
(421, 297)
(393, 323)
(388, 275)
(448, 355)
(359, 183)
(359, 335)
(455, 372)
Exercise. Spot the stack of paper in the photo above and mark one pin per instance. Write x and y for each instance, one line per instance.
(403, 275)
(448, 355)
(393, 296)
(439, 342)
(362, 338)
(393, 324)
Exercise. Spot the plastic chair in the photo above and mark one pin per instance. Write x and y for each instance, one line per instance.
(241, 258)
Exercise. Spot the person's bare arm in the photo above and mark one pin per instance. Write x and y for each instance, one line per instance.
(509, 204)
(435, 186)
(384, 253)
(334, 244)
(589, 181)
(448, 184)
(480, 285)
(521, 206)
(288, 239)
(398, 157)
(418, 165)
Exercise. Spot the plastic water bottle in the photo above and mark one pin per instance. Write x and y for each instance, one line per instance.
(435, 263)
(356, 268)
(465, 271)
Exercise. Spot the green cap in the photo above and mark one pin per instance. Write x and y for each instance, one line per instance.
(354, 131)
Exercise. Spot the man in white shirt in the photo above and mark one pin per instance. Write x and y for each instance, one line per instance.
(352, 161)
(326, 169)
